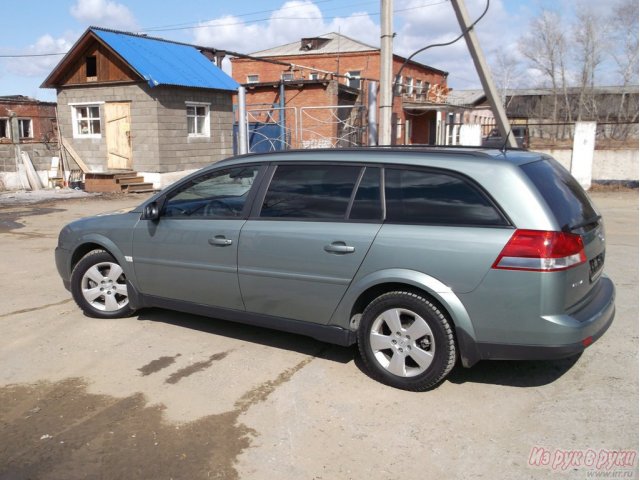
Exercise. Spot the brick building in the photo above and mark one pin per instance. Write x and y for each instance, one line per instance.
(27, 125)
(304, 78)
(132, 102)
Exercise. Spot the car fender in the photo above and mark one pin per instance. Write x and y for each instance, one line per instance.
(432, 286)
(112, 248)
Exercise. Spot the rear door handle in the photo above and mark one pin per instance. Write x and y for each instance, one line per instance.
(220, 241)
(339, 247)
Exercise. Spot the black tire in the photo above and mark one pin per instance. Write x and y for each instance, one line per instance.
(99, 275)
(388, 350)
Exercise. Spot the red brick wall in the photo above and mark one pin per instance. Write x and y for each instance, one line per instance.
(368, 63)
(42, 117)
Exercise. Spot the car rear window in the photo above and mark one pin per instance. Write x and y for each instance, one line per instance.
(437, 198)
(565, 197)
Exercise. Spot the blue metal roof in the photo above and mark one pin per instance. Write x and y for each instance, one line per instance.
(162, 62)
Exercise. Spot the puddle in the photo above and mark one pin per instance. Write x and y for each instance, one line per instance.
(59, 430)
(8, 220)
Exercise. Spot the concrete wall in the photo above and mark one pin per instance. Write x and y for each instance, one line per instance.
(180, 152)
(159, 138)
(616, 165)
(144, 124)
(40, 154)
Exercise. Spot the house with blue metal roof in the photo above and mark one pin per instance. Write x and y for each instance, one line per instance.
(131, 102)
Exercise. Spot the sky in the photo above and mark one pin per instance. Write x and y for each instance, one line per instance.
(33, 27)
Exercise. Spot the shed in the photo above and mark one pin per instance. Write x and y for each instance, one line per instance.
(131, 102)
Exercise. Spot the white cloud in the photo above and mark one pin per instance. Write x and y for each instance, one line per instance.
(40, 66)
(294, 20)
(104, 13)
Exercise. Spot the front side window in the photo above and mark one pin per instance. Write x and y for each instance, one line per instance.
(437, 198)
(25, 128)
(320, 192)
(219, 194)
(198, 120)
(86, 121)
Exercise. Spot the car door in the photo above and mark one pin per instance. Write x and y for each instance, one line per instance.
(190, 252)
(307, 237)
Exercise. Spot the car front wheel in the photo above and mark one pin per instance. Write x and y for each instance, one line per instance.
(99, 287)
(405, 341)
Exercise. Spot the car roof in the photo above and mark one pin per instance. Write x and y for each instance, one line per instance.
(414, 155)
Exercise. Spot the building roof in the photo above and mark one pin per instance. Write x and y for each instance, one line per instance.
(337, 44)
(477, 96)
(24, 99)
(157, 61)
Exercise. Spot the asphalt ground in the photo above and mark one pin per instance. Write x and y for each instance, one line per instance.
(165, 395)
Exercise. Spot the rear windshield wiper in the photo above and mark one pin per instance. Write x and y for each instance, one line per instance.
(589, 221)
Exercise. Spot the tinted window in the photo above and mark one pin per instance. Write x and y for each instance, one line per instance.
(310, 191)
(416, 196)
(367, 204)
(564, 195)
(214, 194)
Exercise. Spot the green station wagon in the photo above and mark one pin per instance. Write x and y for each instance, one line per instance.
(423, 257)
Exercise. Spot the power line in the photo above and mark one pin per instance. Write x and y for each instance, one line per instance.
(258, 20)
(197, 26)
(33, 55)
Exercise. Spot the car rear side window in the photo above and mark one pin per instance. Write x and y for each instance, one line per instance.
(562, 192)
(437, 198)
(310, 191)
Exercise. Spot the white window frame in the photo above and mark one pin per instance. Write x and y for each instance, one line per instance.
(354, 75)
(75, 119)
(7, 131)
(314, 76)
(207, 119)
(399, 86)
(21, 121)
(287, 76)
(253, 78)
(409, 89)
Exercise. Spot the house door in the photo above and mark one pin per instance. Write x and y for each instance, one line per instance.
(118, 134)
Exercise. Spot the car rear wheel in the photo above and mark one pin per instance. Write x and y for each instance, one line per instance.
(405, 341)
(98, 286)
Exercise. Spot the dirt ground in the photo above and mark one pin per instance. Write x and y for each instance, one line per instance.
(165, 395)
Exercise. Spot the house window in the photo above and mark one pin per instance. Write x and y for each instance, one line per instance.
(409, 86)
(287, 76)
(425, 89)
(419, 88)
(91, 68)
(399, 86)
(314, 76)
(253, 78)
(198, 119)
(353, 78)
(86, 121)
(25, 128)
(4, 128)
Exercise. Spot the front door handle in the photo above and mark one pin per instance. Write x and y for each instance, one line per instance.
(220, 241)
(339, 247)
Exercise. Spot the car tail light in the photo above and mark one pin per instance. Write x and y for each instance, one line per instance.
(541, 251)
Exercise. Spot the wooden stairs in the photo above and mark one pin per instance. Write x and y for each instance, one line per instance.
(116, 182)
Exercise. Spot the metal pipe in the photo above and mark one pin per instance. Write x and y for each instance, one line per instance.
(243, 146)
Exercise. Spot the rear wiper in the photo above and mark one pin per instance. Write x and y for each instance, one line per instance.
(588, 221)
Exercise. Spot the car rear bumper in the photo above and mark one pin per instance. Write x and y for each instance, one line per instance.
(568, 334)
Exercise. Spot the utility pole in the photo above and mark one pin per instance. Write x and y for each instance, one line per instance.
(483, 72)
(386, 71)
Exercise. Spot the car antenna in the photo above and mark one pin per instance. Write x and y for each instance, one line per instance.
(506, 142)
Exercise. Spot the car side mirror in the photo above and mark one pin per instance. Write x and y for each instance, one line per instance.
(151, 211)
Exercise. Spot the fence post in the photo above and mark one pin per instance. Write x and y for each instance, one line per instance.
(372, 117)
(584, 140)
(243, 147)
